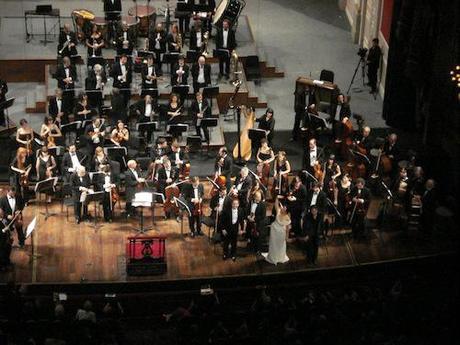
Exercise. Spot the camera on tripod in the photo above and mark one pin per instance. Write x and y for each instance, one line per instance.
(362, 52)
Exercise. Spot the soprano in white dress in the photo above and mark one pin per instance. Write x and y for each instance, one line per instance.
(278, 232)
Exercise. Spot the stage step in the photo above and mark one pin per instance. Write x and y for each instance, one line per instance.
(36, 100)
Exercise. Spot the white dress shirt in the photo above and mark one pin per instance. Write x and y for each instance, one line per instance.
(148, 109)
(123, 72)
(198, 39)
(157, 41)
(313, 199)
(313, 156)
(195, 193)
(149, 73)
(12, 202)
(253, 208)
(59, 104)
(201, 74)
(234, 215)
(75, 162)
(225, 38)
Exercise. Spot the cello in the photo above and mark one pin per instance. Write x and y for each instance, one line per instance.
(246, 147)
(172, 191)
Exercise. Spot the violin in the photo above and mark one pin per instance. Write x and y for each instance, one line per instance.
(24, 179)
(263, 172)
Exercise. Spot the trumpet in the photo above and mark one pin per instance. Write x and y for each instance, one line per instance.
(205, 44)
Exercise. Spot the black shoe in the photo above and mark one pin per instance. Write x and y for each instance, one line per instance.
(200, 233)
(192, 235)
(21, 245)
(224, 257)
(77, 220)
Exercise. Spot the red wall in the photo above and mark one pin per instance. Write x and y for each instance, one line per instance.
(387, 14)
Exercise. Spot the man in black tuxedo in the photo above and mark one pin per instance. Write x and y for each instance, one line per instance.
(167, 175)
(80, 183)
(296, 203)
(193, 195)
(106, 181)
(132, 179)
(317, 198)
(71, 161)
(67, 42)
(223, 166)
(225, 40)
(200, 109)
(112, 6)
(242, 187)
(5, 243)
(145, 110)
(180, 72)
(364, 140)
(373, 63)
(12, 204)
(197, 36)
(157, 43)
(312, 227)
(66, 76)
(429, 205)
(232, 225)
(311, 155)
(360, 197)
(58, 108)
(3, 91)
(149, 75)
(340, 108)
(256, 222)
(95, 83)
(201, 74)
(122, 77)
(220, 201)
(126, 40)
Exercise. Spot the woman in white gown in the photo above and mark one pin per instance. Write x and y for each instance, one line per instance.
(279, 231)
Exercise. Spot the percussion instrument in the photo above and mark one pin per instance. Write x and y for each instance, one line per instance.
(228, 9)
(82, 21)
(146, 15)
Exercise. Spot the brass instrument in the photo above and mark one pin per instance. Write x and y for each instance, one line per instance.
(179, 41)
(205, 44)
(234, 67)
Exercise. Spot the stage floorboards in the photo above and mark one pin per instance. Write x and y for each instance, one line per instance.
(71, 253)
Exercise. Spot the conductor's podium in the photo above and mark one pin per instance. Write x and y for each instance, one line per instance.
(146, 256)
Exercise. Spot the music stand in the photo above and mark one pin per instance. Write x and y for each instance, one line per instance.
(153, 92)
(43, 187)
(142, 199)
(162, 198)
(116, 152)
(210, 92)
(96, 198)
(209, 122)
(170, 58)
(183, 207)
(181, 90)
(193, 55)
(4, 106)
(256, 134)
(71, 127)
(30, 233)
(177, 130)
(148, 127)
(93, 60)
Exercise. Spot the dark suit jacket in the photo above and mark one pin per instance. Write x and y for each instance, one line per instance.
(130, 37)
(91, 81)
(144, 73)
(301, 196)
(174, 75)
(260, 215)
(312, 227)
(227, 220)
(76, 184)
(267, 126)
(226, 170)
(245, 187)
(116, 72)
(365, 194)
(231, 41)
(99, 181)
(321, 201)
(63, 39)
(5, 205)
(393, 151)
(193, 38)
(109, 6)
(53, 108)
(195, 109)
(162, 177)
(139, 107)
(345, 111)
(207, 73)
(60, 76)
(188, 194)
(183, 156)
(67, 161)
(152, 41)
(130, 185)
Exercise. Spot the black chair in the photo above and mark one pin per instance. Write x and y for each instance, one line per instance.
(194, 143)
(143, 162)
(252, 68)
(326, 75)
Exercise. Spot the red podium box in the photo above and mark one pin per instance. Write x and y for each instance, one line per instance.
(146, 256)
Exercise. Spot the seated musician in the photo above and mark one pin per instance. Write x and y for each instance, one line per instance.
(256, 221)
(94, 134)
(71, 161)
(5, 243)
(340, 108)
(120, 135)
(225, 40)
(391, 148)
(267, 123)
(363, 140)
(99, 159)
(132, 179)
(174, 40)
(58, 107)
(25, 135)
(12, 204)
(145, 111)
(149, 74)
(82, 109)
(193, 194)
(223, 166)
(49, 132)
(95, 43)
(67, 46)
(94, 85)
(242, 187)
(360, 198)
(200, 109)
(180, 72)
(265, 156)
(296, 203)
(126, 40)
(157, 44)
(166, 176)
(66, 76)
(400, 188)
(81, 184)
(119, 107)
(312, 228)
(197, 36)
(201, 74)
(122, 77)
(106, 181)
(232, 226)
(281, 170)
(20, 169)
(174, 110)
(161, 149)
(317, 198)
(178, 157)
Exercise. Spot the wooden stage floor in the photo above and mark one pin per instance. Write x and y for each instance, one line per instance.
(71, 253)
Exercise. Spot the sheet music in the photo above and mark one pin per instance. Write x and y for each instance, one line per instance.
(31, 227)
(143, 199)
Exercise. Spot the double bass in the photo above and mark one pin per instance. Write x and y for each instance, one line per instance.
(246, 147)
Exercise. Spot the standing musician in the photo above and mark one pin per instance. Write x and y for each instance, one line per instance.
(267, 123)
(342, 195)
(180, 72)
(256, 221)
(45, 165)
(317, 198)
(99, 159)
(132, 180)
(184, 16)
(200, 109)
(67, 46)
(265, 156)
(373, 63)
(149, 74)
(340, 108)
(20, 171)
(225, 40)
(312, 228)
(311, 156)
(82, 109)
(201, 74)
(3, 92)
(81, 184)
(157, 43)
(219, 202)
(296, 203)
(71, 161)
(391, 148)
(331, 173)
(122, 77)
(197, 36)
(179, 158)
(95, 133)
(360, 198)
(95, 43)
(106, 181)
(145, 111)
(174, 40)
(126, 40)
(232, 225)
(58, 107)
(5, 243)
(25, 135)
(174, 110)
(120, 135)
(12, 204)
(112, 11)
(281, 170)
(242, 187)
(223, 167)
(49, 132)
(193, 194)
(94, 86)
(66, 76)
(167, 175)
